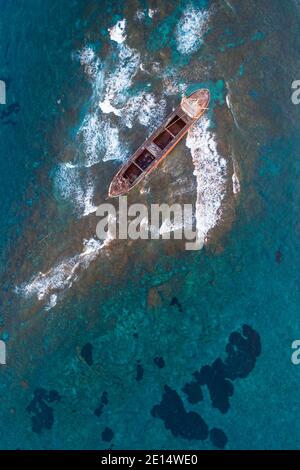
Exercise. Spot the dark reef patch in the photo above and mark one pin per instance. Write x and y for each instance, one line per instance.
(12, 109)
(220, 388)
(242, 351)
(159, 362)
(107, 434)
(42, 416)
(278, 256)
(218, 438)
(188, 425)
(193, 392)
(104, 401)
(175, 303)
(87, 353)
(139, 371)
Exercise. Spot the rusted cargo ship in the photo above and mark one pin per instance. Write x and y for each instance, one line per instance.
(160, 143)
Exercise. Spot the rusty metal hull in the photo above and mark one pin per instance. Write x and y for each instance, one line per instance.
(160, 143)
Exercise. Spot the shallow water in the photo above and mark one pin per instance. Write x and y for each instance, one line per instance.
(85, 318)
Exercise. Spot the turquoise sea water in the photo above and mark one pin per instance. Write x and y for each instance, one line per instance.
(106, 347)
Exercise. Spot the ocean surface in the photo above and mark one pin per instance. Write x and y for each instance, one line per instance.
(141, 344)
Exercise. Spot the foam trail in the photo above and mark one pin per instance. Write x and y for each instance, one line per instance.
(101, 140)
(117, 32)
(210, 171)
(145, 109)
(52, 302)
(120, 79)
(141, 14)
(98, 136)
(231, 108)
(152, 12)
(190, 29)
(46, 286)
(143, 106)
(74, 186)
(236, 187)
(230, 6)
(89, 61)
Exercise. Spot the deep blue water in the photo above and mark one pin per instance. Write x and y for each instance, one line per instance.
(145, 333)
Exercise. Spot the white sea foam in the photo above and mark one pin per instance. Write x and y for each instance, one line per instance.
(152, 12)
(142, 107)
(101, 140)
(90, 132)
(117, 32)
(120, 79)
(228, 102)
(141, 14)
(75, 186)
(172, 86)
(145, 109)
(98, 136)
(52, 302)
(89, 61)
(230, 6)
(190, 29)
(106, 108)
(210, 171)
(232, 108)
(236, 187)
(46, 286)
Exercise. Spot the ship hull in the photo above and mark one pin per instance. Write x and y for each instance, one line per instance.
(160, 143)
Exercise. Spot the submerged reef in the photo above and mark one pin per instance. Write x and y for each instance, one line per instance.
(159, 362)
(193, 391)
(87, 353)
(139, 371)
(218, 438)
(103, 402)
(188, 425)
(175, 303)
(242, 351)
(42, 416)
(107, 434)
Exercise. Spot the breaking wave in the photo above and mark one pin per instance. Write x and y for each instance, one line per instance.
(142, 14)
(98, 136)
(101, 140)
(143, 106)
(112, 109)
(210, 170)
(47, 286)
(75, 186)
(190, 29)
(117, 32)
(236, 187)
